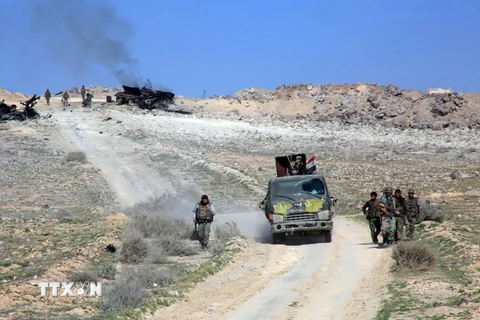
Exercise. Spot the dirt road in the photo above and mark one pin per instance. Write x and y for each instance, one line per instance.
(335, 280)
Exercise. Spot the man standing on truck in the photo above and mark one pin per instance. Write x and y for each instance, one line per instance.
(371, 210)
(203, 216)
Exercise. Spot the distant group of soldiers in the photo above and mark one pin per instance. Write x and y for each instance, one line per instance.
(86, 97)
(391, 214)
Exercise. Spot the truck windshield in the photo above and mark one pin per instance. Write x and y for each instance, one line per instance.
(312, 186)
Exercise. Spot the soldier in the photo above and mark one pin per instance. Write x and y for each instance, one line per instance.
(371, 210)
(65, 98)
(48, 95)
(203, 214)
(298, 167)
(388, 210)
(87, 102)
(413, 210)
(83, 92)
(400, 217)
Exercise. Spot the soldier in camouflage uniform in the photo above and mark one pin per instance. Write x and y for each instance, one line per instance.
(87, 102)
(388, 209)
(48, 95)
(65, 98)
(203, 214)
(401, 217)
(413, 210)
(83, 92)
(371, 210)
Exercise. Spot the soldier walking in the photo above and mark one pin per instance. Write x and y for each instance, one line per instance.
(203, 214)
(413, 211)
(48, 95)
(371, 210)
(387, 207)
(65, 98)
(83, 92)
(401, 216)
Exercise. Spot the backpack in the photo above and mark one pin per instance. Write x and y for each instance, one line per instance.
(203, 213)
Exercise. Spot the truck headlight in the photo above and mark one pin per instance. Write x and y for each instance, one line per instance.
(277, 218)
(323, 215)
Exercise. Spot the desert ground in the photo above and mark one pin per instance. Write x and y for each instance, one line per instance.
(58, 215)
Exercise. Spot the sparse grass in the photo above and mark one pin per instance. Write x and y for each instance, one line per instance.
(414, 256)
(77, 156)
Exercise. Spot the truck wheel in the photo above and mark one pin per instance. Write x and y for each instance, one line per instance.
(328, 236)
(278, 238)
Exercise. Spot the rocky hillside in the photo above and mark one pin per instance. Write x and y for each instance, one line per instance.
(363, 104)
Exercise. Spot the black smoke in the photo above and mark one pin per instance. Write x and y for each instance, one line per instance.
(83, 35)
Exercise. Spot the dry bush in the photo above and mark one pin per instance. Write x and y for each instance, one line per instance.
(107, 271)
(84, 276)
(156, 255)
(414, 256)
(430, 212)
(175, 246)
(217, 248)
(77, 156)
(134, 247)
(226, 231)
(157, 226)
(124, 292)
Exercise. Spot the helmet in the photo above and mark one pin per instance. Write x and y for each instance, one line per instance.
(411, 190)
(388, 190)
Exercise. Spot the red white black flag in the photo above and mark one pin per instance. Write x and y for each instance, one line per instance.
(311, 165)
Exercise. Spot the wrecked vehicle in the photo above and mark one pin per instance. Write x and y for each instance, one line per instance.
(10, 112)
(298, 201)
(145, 98)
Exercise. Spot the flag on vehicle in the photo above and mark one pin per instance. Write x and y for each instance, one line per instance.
(311, 165)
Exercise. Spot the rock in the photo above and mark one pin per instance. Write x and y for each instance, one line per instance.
(405, 124)
(308, 87)
(441, 110)
(393, 90)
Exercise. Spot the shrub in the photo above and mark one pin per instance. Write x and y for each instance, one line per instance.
(134, 247)
(107, 271)
(78, 156)
(175, 246)
(153, 225)
(226, 231)
(430, 212)
(156, 255)
(217, 248)
(414, 256)
(84, 276)
(123, 293)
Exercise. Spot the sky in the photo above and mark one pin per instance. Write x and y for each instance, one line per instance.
(220, 47)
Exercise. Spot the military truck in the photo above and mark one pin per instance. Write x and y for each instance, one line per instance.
(298, 201)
